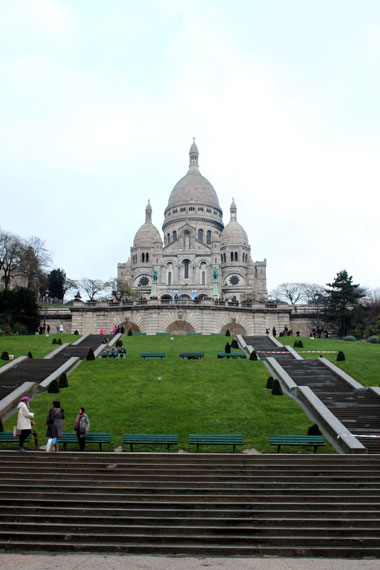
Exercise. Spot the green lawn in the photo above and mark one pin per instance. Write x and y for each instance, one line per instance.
(202, 396)
(362, 358)
(38, 345)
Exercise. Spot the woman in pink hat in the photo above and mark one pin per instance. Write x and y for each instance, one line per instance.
(24, 423)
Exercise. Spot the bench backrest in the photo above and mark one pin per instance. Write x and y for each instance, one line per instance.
(228, 439)
(150, 438)
(8, 436)
(306, 439)
(68, 437)
(153, 354)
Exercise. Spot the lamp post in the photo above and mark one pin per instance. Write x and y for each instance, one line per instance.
(317, 298)
(46, 297)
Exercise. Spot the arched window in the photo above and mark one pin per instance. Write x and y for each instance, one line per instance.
(143, 257)
(200, 235)
(208, 239)
(169, 273)
(236, 256)
(147, 257)
(186, 239)
(186, 271)
(203, 269)
(168, 236)
(174, 235)
(232, 255)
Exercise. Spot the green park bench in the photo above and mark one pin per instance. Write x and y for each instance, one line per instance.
(145, 355)
(167, 439)
(192, 355)
(213, 439)
(8, 437)
(71, 437)
(232, 355)
(314, 440)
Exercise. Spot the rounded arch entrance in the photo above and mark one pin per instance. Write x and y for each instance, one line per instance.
(180, 327)
(129, 326)
(234, 329)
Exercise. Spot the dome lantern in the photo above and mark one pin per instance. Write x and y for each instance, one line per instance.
(194, 154)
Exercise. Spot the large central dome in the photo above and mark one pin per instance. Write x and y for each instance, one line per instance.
(193, 188)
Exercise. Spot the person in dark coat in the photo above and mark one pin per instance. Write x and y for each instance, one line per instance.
(82, 426)
(54, 424)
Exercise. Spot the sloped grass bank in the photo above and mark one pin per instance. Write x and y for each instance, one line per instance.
(197, 396)
(39, 345)
(362, 358)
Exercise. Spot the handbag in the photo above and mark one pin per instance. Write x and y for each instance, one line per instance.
(16, 432)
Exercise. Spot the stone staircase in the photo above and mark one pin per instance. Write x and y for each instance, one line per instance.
(193, 504)
(264, 347)
(37, 369)
(357, 409)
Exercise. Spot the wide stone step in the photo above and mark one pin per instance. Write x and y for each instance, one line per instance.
(327, 551)
(209, 532)
(184, 512)
(242, 520)
(206, 503)
(322, 480)
(157, 486)
(195, 540)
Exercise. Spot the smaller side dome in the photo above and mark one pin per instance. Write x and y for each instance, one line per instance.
(147, 235)
(233, 234)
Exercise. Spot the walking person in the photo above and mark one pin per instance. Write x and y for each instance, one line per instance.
(82, 426)
(24, 423)
(54, 425)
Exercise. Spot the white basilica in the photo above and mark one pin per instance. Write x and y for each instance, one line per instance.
(198, 257)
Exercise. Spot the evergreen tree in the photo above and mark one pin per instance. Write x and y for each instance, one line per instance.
(19, 306)
(56, 283)
(342, 298)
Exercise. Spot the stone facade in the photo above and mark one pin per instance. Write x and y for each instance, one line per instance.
(199, 257)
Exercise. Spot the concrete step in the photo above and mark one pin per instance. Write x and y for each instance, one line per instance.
(287, 550)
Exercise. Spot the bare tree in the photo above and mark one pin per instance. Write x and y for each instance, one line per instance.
(119, 289)
(93, 287)
(313, 293)
(294, 293)
(34, 261)
(289, 292)
(11, 250)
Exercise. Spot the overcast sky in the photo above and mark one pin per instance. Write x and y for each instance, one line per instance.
(100, 99)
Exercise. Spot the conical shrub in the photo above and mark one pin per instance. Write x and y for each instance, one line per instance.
(296, 344)
(314, 430)
(118, 343)
(5, 355)
(340, 356)
(270, 382)
(130, 333)
(53, 387)
(90, 355)
(300, 344)
(228, 332)
(59, 341)
(63, 382)
(54, 341)
(253, 355)
(30, 355)
(276, 389)
(234, 343)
